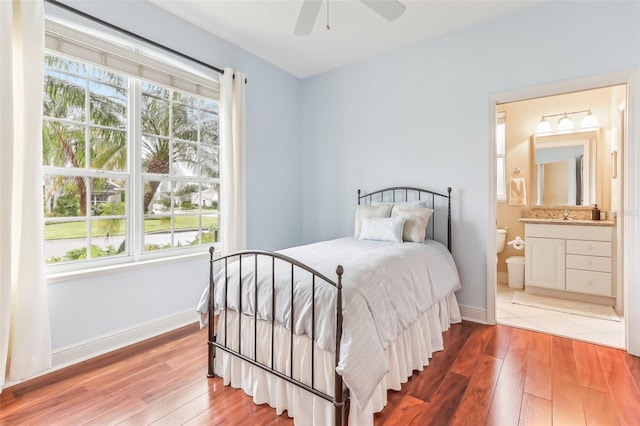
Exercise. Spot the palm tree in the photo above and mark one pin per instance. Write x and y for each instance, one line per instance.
(159, 155)
(64, 134)
(111, 226)
(64, 139)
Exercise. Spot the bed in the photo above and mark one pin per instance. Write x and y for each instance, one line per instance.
(325, 329)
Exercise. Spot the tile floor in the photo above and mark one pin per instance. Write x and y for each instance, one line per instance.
(595, 330)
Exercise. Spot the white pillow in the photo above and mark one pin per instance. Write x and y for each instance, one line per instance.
(415, 203)
(382, 229)
(366, 211)
(415, 222)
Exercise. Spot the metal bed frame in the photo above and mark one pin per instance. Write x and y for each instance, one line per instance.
(340, 399)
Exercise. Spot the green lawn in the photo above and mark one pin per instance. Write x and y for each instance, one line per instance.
(56, 231)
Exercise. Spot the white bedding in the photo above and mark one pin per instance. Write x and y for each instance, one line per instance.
(386, 288)
(409, 352)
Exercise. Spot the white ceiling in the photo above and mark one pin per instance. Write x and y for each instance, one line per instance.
(265, 27)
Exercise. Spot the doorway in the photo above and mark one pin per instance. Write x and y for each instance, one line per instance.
(518, 171)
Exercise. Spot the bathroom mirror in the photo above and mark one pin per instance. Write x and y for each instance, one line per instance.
(564, 169)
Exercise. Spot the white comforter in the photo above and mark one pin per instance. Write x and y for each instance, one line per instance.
(386, 288)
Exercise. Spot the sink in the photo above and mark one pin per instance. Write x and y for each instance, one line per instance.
(501, 237)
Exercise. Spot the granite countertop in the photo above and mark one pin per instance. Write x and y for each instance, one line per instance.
(560, 221)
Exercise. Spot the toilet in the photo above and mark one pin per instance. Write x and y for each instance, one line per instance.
(515, 271)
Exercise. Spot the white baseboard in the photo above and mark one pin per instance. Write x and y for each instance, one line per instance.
(74, 354)
(66, 356)
(473, 314)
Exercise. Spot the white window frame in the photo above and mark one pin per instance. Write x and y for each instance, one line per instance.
(501, 190)
(138, 63)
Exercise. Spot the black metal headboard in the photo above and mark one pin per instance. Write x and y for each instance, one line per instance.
(407, 193)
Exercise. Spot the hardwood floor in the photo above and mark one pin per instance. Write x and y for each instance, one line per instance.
(487, 375)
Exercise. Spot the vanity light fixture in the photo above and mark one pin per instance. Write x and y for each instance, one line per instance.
(565, 123)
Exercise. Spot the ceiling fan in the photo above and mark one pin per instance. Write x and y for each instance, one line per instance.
(388, 9)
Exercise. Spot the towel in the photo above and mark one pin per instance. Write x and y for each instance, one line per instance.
(518, 192)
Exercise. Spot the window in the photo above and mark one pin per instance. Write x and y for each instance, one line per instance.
(501, 192)
(130, 163)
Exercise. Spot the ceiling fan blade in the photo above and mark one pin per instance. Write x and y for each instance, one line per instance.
(307, 17)
(388, 9)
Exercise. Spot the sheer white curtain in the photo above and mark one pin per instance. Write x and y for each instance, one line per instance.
(233, 210)
(25, 341)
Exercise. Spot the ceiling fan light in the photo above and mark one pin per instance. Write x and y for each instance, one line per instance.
(589, 121)
(565, 123)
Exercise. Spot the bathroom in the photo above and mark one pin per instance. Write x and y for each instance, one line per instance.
(530, 193)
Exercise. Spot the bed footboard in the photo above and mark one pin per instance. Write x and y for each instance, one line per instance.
(339, 398)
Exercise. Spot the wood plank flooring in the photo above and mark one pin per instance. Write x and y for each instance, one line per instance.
(487, 375)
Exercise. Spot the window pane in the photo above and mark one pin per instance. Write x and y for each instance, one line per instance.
(209, 197)
(185, 122)
(153, 90)
(64, 95)
(187, 195)
(65, 241)
(157, 233)
(187, 228)
(208, 157)
(107, 197)
(209, 106)
(209, 232)
(155, 155)
(500, 179)
(66, 65)
(63, 145)
(108, 149)
(157, 197)
(65, 196)
(209, 128)
(185, 159)
(109, 77)
(108, 105)
(500, 139)
(108, 237)
(154, 113)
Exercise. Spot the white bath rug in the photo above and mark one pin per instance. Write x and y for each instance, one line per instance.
(567, 306)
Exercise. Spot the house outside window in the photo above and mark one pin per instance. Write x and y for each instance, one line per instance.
(130, 163)
(501, 191)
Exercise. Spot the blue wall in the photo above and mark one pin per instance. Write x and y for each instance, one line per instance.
(421, 115)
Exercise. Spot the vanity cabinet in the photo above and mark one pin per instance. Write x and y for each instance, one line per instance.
(544, 262)
(570, 258)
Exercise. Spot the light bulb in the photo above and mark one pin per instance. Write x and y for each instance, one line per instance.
(589, 121)
(543, 127)
(565, 123)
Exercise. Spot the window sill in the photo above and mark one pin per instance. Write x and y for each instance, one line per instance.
(103, 270)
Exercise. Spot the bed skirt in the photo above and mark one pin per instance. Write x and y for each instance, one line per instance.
(409, 352)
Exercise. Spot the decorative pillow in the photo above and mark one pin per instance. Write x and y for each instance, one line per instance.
(366, 211)
(382, 229)
(415, 222)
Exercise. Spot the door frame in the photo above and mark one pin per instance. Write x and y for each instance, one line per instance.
(629, 215)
